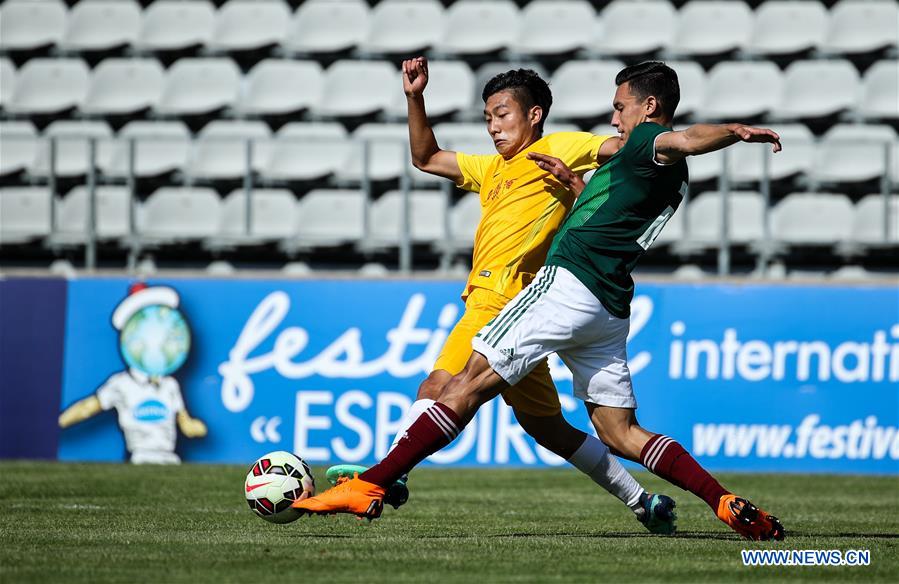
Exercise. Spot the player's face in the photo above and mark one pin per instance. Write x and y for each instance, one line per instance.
(628, 111)
(511, 127)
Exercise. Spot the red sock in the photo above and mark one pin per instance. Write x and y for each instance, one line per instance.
(434, 429)
(668, 459)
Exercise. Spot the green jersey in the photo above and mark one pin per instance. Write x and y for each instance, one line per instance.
(620, 213)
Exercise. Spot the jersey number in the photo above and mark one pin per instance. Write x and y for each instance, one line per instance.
(653, 230)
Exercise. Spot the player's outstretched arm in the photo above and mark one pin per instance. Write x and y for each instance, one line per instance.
(80, 411)
(426, 154)
(559, 170)
(702, 138)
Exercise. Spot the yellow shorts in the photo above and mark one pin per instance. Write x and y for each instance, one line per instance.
(535, 394)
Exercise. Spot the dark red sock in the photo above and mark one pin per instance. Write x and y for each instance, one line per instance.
(434, 429)
(668, 459)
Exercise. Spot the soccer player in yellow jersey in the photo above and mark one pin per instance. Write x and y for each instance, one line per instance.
(522, 208)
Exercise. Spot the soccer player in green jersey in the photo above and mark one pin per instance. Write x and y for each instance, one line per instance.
(579, 304)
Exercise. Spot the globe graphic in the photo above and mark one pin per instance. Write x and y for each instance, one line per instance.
(155, 340)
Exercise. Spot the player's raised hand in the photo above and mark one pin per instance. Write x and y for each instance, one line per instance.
(762, 135)
(415, 76)
(559, 170)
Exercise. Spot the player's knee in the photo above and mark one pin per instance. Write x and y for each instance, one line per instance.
(552, 432)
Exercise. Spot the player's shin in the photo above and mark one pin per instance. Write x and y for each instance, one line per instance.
(594, 459)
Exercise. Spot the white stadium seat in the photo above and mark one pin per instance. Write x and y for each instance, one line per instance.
(584, 89)
(555, 27)
(784, 27)
(326, 27)
(673, 232)
(400, 26)
(73, 211)
(18, 146)
(797, 157)
(31, 25)
(159, 148)
(464, 218)
(710, 27)
(307, 151)
(450, 89)
(357, 88)
(242, 25)
(124, 86)
(853, 153)
(24, 214)
(880, 91)
(199, 86)
(812, 219)
(98, 25)
(814, 89)
(172, 25)
(7, 80)
(739, 90)
(476, 27)
(272, 216)
(327, 217)
(220, 151)
(281, 86)
(48, 86)
(862, 26)
(427, 216)
(692, 81)
(636, 28)
(388, 152)
(172, 215)
(745, 223)
(868, 221)
(73, 148)
(469, 138)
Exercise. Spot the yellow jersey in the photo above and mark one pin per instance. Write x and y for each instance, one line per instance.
(522, 207)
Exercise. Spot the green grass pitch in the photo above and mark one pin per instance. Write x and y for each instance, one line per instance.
(117, 523)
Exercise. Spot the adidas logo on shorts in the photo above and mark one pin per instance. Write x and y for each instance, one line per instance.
(508, 352)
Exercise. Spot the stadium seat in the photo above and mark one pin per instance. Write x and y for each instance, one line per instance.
(741, 90)
(450, 89)
(403, 27)
(199, 86)
(49, 86)
(73, 148)
(555, 27)
(7, 80)
(357, 88)
(797, 157)
(72, 215)
(101, 25)
(272, 217)
(124, 86)
(468, 138)
(328, 27)
(880, 91)
(308, 151)
(785, 27)
(862, 26)
(26, 26)
(476, 27)
(175, 25)
(814, 89)
(24, 214)
(244, 26)
(171, 215)
(745, 223)
(464, 218)
(636, 28)
(584, 89)
(812, 219)
(388, 152)
(707, 166)
(279, 87)
(692, 81)
(330, 217)
(18, 147)
(220, 151)
(711, 27)
(427, 218)
(868, 221)
(853, 153)
(159, 148)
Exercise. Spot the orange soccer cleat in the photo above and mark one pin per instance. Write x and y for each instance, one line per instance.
(361, 498)
(748, 520)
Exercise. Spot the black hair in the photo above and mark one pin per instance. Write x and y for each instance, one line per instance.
(653, 78)
(527, 86)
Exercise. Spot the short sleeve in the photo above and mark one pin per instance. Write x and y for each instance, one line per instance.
(578, 150)
(640, 149)
(110, 394)
(473, 168)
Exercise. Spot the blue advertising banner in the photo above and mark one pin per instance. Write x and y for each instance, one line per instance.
(749, 377)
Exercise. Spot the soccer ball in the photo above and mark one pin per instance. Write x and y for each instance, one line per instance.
(274, 482)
